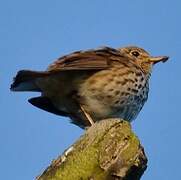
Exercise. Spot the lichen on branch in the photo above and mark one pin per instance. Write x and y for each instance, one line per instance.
(108, 150)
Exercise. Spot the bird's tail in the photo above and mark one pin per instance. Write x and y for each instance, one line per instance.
(25, 80)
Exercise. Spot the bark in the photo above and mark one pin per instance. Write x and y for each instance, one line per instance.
(108, 150)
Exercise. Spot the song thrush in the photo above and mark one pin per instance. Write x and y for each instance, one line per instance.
(92, 85)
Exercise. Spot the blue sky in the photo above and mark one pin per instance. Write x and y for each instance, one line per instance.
(34, 33)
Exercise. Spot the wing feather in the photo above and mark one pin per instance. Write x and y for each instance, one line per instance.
(87, 60)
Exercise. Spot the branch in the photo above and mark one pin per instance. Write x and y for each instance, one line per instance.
(108, 150)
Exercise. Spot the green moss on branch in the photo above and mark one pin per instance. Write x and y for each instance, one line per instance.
(108, 150)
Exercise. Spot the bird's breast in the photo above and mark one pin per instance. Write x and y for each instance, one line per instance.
(115, 93)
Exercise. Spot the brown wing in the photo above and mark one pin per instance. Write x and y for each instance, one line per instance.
(87, 60)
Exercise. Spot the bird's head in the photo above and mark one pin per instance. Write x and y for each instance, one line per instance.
(142, 58)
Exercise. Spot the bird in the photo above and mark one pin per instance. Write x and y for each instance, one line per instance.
(91, 85)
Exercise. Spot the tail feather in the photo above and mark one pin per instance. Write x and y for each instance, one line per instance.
(45, 104)
(25, 80)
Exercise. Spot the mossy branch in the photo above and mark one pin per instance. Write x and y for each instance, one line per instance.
(108, 150)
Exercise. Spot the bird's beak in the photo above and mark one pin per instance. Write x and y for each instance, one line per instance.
(157, 59)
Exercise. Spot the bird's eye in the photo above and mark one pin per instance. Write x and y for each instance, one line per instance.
(135, 53)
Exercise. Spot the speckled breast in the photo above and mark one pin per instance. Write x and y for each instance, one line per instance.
(119, 93)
